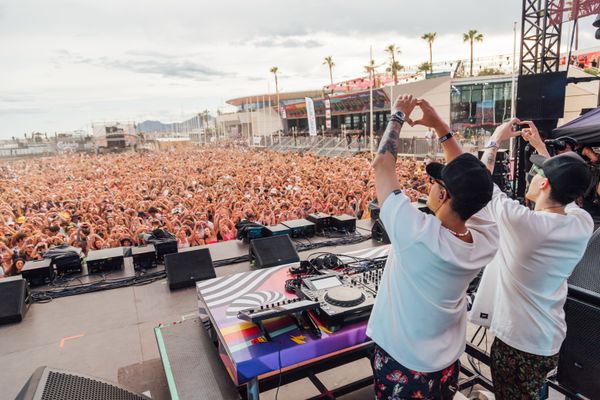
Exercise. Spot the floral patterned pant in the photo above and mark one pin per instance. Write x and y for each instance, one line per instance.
(395, 382)
(518, 375)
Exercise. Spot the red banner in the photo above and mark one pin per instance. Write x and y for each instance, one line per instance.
(569, 10)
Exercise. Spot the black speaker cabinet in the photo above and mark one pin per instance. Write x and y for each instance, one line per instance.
(579, 359)
(584, 282)
(38, 272)
(378, 233)
(68, 264)
(541, 96)
(144, 257)
(14, 299)
(273, 251)
(55, 384)
(105, 260)
(164, 247)
(184, 269)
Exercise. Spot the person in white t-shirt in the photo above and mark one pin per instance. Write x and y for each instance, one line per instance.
(418, 322)
(538, 250)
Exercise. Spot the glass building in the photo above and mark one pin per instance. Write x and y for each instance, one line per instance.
(478, 106)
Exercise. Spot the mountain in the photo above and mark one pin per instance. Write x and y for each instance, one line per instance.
(191, 124)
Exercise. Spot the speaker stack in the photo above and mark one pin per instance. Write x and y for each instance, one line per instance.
(500, 176)
(14, 299)
(579, 361)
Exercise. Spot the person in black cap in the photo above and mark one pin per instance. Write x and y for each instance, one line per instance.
(565, 144)
(418, 322)
(525, 286)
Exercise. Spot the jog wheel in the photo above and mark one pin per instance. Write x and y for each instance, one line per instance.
(343, 296)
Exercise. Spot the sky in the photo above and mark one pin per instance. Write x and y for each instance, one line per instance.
(65, 64)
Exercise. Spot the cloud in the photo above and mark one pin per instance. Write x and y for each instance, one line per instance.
(25, 110)
(14, 98)
(286, 42)
(166, 68)
(151, 62)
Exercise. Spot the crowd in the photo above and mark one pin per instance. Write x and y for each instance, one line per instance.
(95, 202)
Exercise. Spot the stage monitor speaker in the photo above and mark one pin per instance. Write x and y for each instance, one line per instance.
(54, 384)
(273, 251)
(184, 269)
(164, 247)
(379, 234)
(584, 282)
(15, 299)
(579, 358)
(374, 210)
(541, 96)
(105, 260)
(144, 257)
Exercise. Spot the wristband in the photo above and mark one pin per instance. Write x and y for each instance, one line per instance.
(447, 136)
(398, 117)
(491, 144)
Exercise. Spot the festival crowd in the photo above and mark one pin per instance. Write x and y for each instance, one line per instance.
(94, 202)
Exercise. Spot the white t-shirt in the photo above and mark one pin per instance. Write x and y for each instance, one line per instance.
(538, 251)
(419, 316)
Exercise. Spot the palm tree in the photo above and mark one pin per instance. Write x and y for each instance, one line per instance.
(274, 71)
(370, 69)
(394, 65)
(430, 38)
(471, 37)
(394, 68)
(424, 67)
(329, 62)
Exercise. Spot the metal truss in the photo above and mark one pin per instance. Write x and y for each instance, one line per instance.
(540, 37)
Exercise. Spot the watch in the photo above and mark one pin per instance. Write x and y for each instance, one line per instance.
(398, 117)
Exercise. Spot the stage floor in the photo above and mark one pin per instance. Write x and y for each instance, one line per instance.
(110, 335)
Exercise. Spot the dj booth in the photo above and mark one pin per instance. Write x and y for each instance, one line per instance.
(248, 356)
(255, 358)
(244, 349)
(220, 353)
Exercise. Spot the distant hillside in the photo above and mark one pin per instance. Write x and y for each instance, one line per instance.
(185, 126)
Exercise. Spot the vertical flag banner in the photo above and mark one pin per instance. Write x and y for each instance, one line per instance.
(310, 115)
(327, 114)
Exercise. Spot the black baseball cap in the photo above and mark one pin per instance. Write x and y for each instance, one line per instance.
(568, 140)
(467, 180)
(568, 174)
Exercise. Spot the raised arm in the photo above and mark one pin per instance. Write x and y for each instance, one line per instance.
(384, 164)
(431, 119)
(502, 132)
(532, 135)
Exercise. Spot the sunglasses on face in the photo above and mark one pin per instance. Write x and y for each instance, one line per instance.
(535, 170)
(538, 171)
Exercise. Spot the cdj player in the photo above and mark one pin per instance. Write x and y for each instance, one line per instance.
(342, 299)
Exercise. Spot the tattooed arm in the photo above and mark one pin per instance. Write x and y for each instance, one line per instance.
(384, 164)
(489, 158)
(503, 132)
